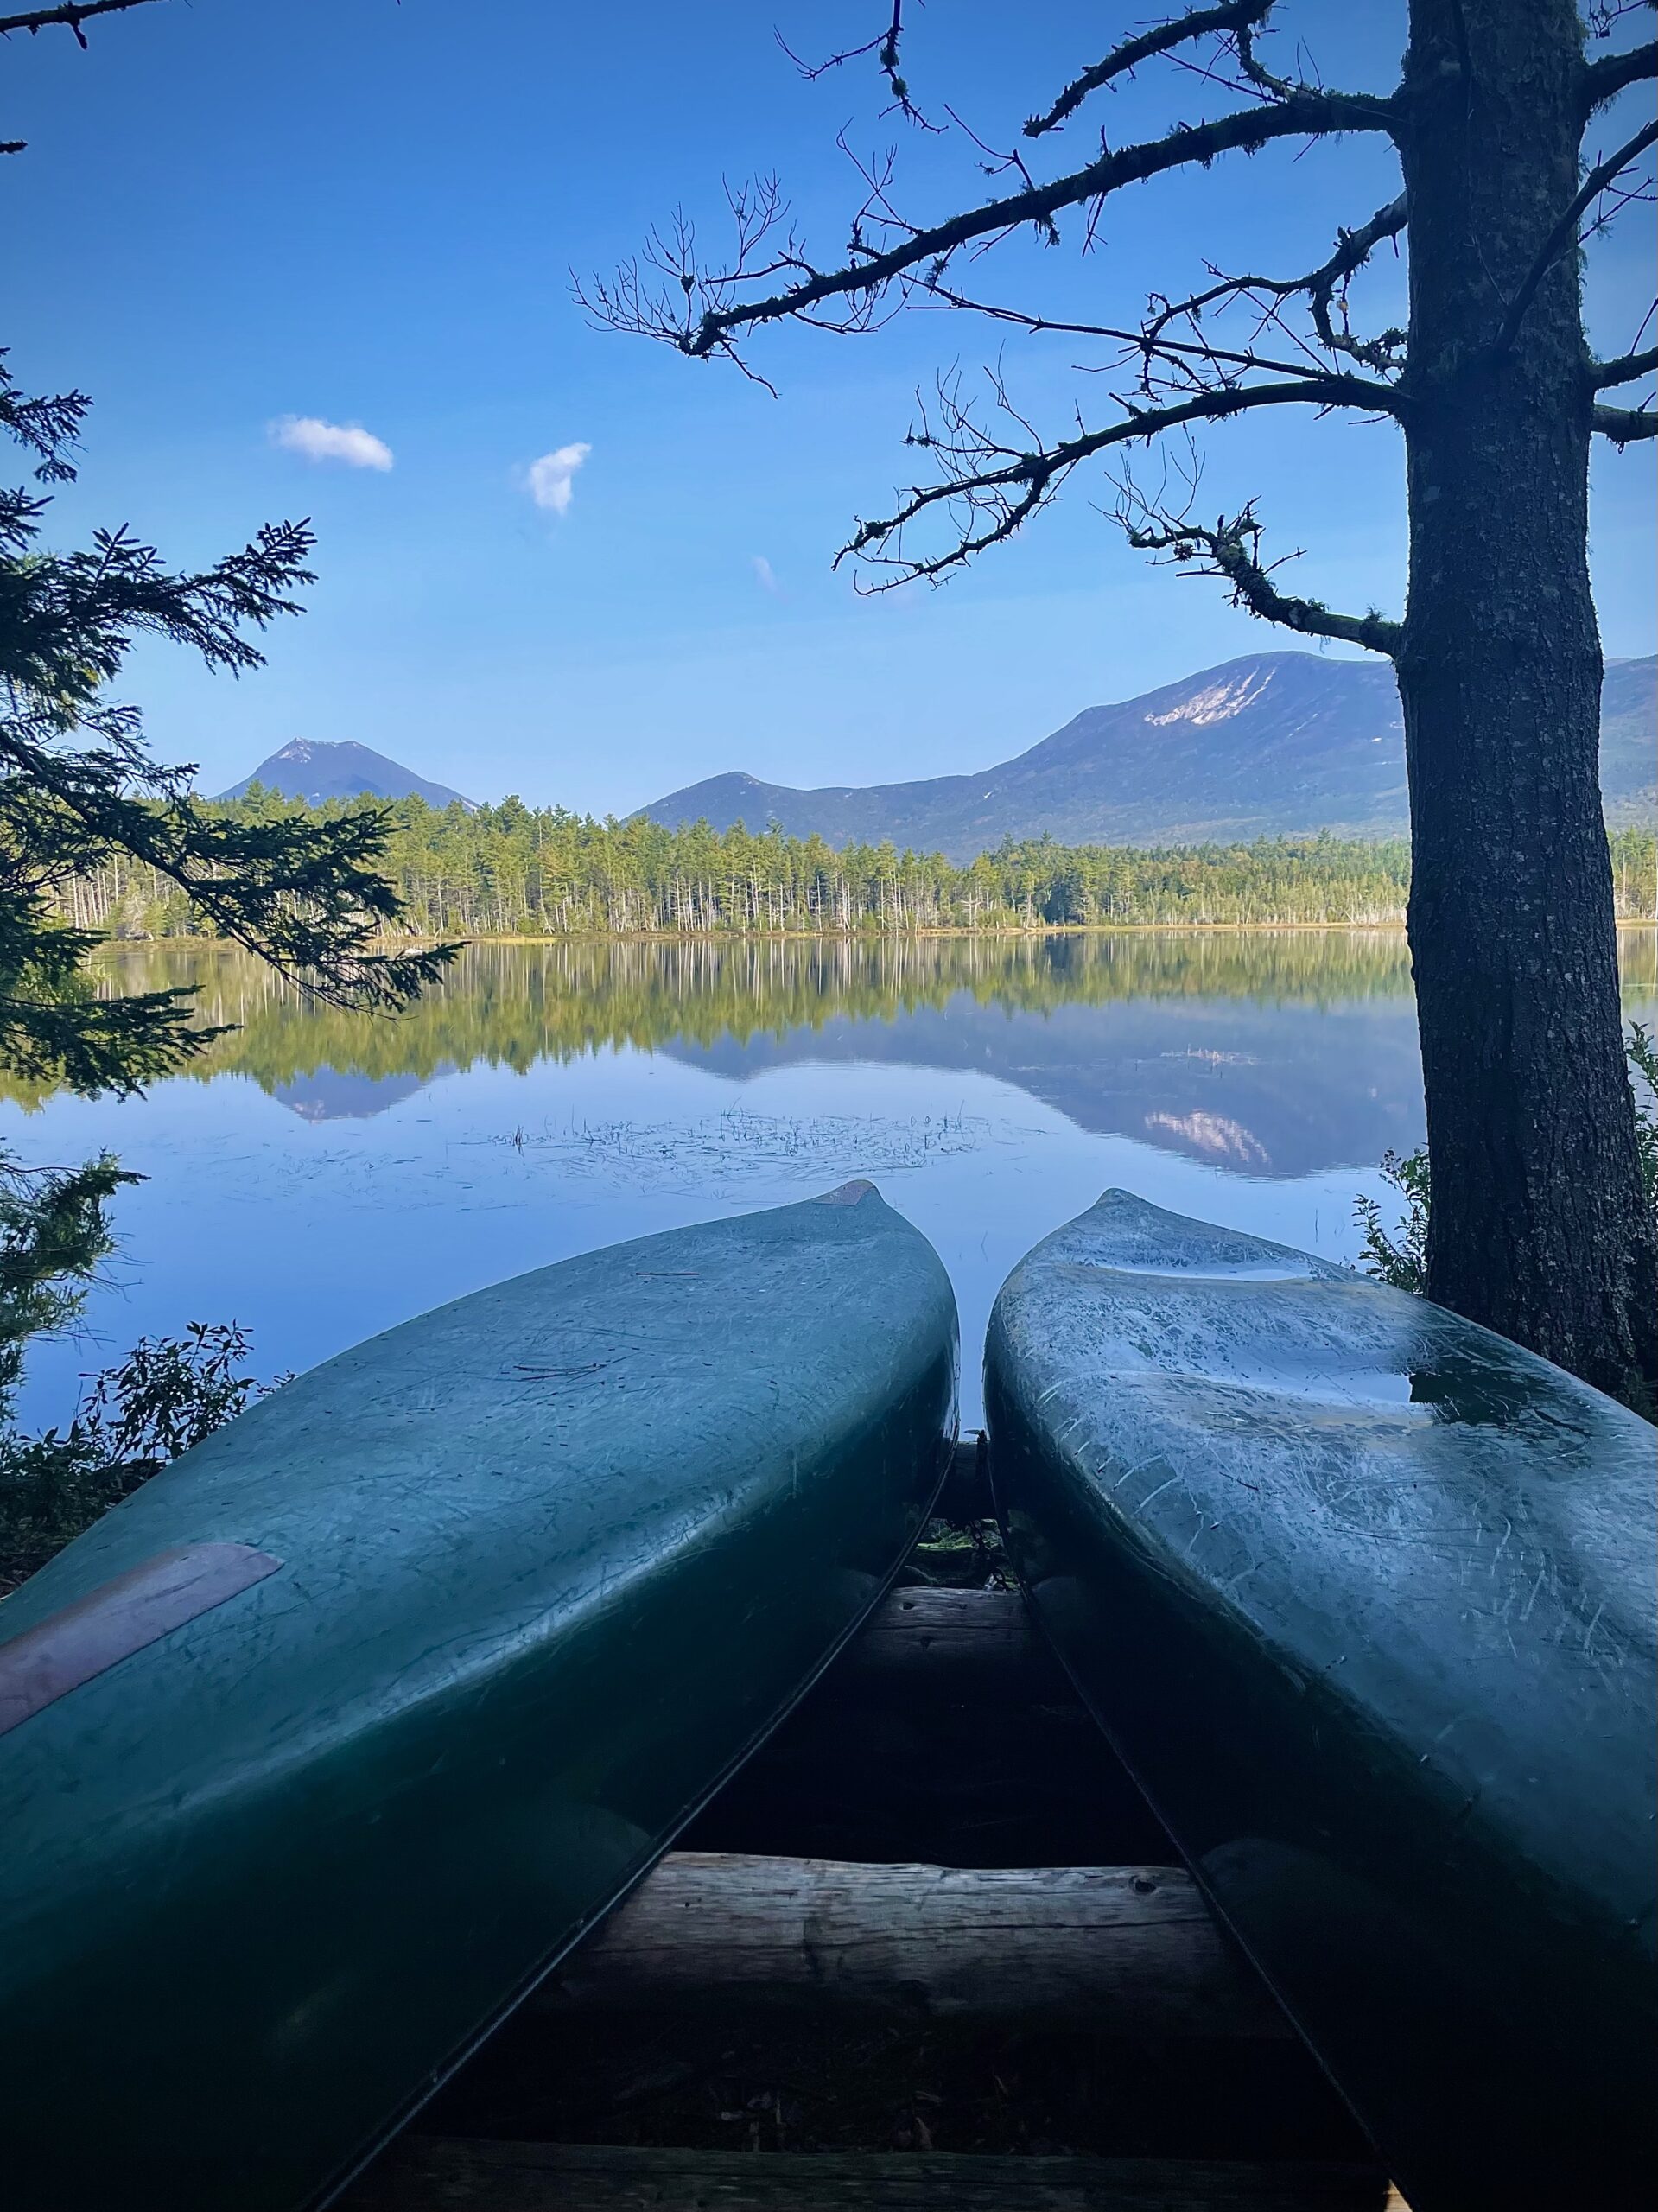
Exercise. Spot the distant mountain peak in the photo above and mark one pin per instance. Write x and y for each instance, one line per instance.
(1271, 745)
(318, 769)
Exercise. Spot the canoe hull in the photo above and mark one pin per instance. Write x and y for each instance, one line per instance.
(1364, 1595)
(549, 1562)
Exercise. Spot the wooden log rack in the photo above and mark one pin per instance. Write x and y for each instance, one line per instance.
(929, 1952)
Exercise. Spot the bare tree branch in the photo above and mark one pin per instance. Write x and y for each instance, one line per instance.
(69, 17)
(1132, 341)
(1163, 38)
(866, 272)
(1005, 485)
(1625, 426)
(885, 47)
(1604, 79)
(1625, 370)
(1231, 548)
(1353, 250)
(1564, 235)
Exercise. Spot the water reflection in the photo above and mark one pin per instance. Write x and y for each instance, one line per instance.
(331, 1094)
(1267, 1052)
(319, 1176)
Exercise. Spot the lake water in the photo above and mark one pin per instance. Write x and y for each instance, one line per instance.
(319, 1177)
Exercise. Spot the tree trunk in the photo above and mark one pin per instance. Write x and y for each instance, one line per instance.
(1538, 1223)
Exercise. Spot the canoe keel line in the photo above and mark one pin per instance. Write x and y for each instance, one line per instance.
(1364, 1597)
(318, 1753)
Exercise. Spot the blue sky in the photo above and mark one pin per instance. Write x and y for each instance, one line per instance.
(362, 213)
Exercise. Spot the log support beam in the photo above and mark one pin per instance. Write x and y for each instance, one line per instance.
(423, 2173)
(1121, 1950)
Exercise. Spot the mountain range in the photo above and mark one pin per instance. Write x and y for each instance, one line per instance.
(1280, 744)
(310, 769)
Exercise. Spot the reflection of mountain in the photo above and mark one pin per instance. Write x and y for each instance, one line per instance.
(331, 1095)
(1258, 1088)
(1271, 1051)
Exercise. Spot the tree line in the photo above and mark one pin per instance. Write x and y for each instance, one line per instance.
(513, 870)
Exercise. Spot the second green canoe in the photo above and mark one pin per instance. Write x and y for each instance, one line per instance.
(1364, 1597)
(321, 1749)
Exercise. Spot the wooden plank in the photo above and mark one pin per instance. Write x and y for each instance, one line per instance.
(438, 2174)
(957, 1644)
(1121, 1949)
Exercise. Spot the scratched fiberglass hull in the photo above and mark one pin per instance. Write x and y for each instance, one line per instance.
(1364, 1597)
(465, 1624)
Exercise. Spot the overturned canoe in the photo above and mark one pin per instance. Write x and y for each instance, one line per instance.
(1363, 1595)
(322, 1748)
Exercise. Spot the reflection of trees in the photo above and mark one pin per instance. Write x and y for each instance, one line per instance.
(515, 1004)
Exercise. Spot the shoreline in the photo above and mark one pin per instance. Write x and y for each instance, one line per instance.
(935, 931)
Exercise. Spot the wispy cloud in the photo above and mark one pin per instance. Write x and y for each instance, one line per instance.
(766, 576)
(318, 441)
(552, 477)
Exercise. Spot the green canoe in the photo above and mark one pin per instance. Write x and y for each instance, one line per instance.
(317, 1752)
(1364, 1597)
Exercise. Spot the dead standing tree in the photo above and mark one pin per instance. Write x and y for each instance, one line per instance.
(1538, 1224)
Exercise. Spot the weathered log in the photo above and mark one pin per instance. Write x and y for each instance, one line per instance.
(425, 2173)
(1129, 1950)
(959, 1645)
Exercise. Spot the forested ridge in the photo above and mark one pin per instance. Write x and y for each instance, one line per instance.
(513, 870)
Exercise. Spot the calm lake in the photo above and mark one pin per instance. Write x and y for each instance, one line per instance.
(319, 1177)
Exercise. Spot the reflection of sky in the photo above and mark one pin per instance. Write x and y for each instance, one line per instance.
(986, 1129)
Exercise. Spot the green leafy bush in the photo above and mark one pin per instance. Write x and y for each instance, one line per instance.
(1401, 1257)
(167, 1394)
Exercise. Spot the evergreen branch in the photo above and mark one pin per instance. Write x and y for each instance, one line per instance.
(69, 17)
(1625, 426)
(1604, 79)
(47, 426)
(1563, 236)
(95, 1046)
(1231, 548)
(1235, 16)
(66, 620)
(305, 893)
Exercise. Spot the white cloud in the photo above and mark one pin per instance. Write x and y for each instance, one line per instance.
(550, 478)
(766, 576)
(318, 441)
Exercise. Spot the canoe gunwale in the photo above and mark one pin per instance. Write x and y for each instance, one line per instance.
(1418, 1806)
(342, 2180)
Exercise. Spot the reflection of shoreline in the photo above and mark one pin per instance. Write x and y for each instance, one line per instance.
(118, 947)
(1272, 1050)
